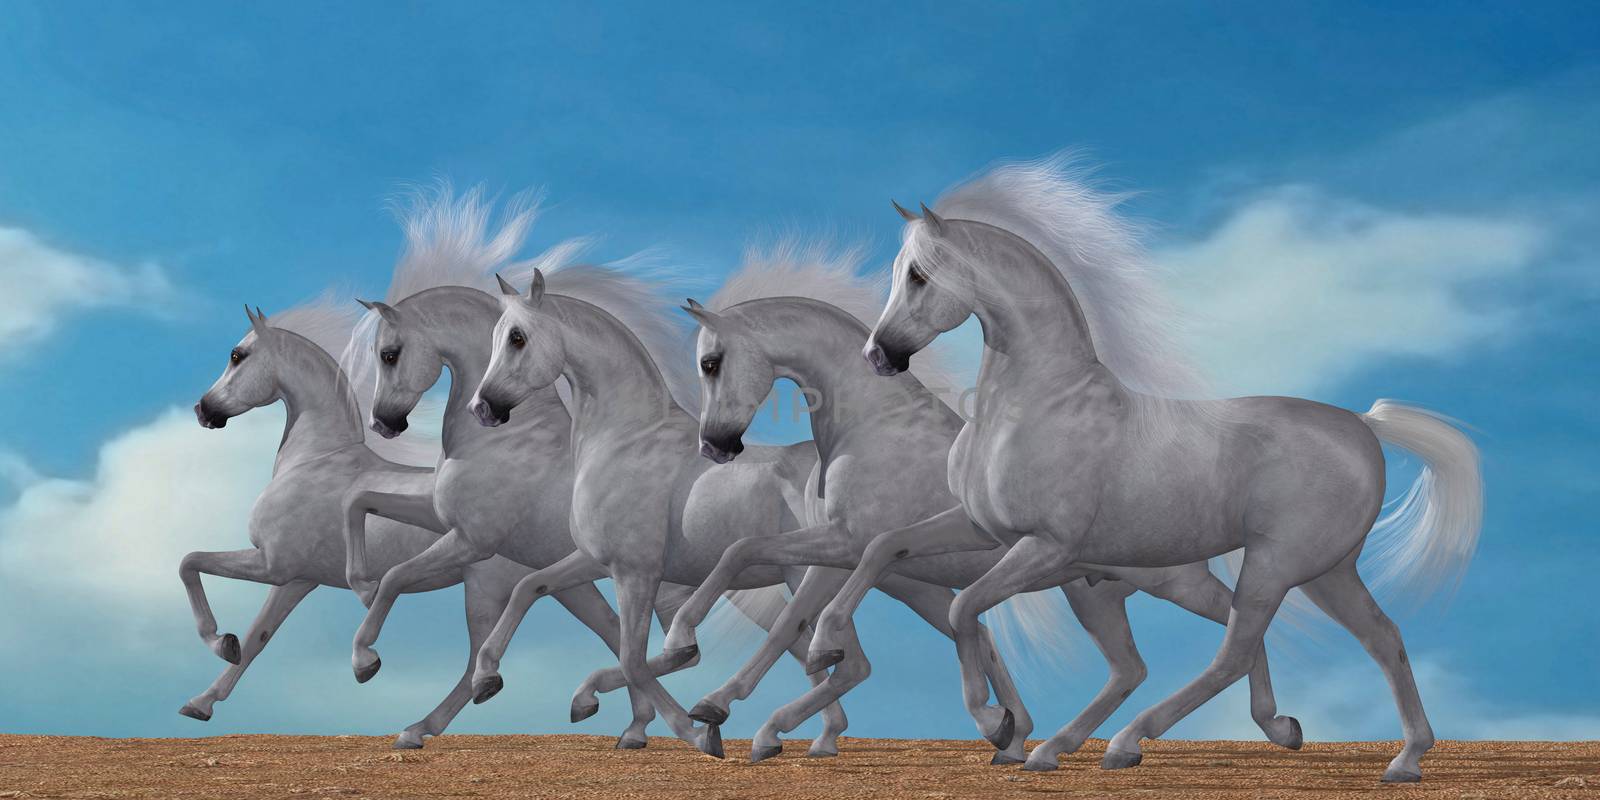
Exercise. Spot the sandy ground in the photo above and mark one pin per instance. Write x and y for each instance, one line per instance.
(586, 767)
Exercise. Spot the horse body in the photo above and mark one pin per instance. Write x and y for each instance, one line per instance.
(1074, 467)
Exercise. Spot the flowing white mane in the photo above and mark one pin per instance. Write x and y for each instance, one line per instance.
(329, 323)
(453, 240)
(1050, 204)
(817, 271)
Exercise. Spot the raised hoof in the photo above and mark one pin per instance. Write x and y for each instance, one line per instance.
(1001, 736)
(580, 712)
(1003, 759)
(709, 713)
(228, 648)
(760, 754)
(819, 660)
(625, 743)
(364, 674)
(1040, 766)
(679, 657)
(711, 742)
(194, 713)
(1396, 775)
(405, 742)
(487, 688)
(1120, 759)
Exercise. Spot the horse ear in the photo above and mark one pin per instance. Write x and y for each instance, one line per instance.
(505, 286)
(536, 291)
(364, 304)
(933, 220)
(258, 320)
(908, 216)
(701, 314)
(386, 311)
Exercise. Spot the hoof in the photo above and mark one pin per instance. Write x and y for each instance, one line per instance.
(708, 712)
(1398, 775)
(580, 711)
(711, 742)
(228, 648)
(1293, 739)
(679, 657)
(1001, 736)
(487, 688)
(760, 754)
(822, 752)
(625, 743)
(1004, 759)
(819, 660)
(1120, 759)
(1040, 766)
(193, 712)
(364, 674)
(405, 742)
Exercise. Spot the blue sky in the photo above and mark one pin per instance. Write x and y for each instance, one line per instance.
(1362, 201)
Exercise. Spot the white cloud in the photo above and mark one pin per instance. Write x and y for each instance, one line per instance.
(40, 285)
(1296, 290)
(1350, 701)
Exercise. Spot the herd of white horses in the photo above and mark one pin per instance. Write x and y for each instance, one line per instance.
(587, 435)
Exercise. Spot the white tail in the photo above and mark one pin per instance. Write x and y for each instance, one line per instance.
(1034, 631)
(1426, 542)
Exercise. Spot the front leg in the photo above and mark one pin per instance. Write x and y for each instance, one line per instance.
(576, 569)
(246, 565)
(824, 545)
(947, 532)
(449, 553)
(280, 601)
(412, 508)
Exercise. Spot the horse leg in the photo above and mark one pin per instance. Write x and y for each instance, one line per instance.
(1342, 594)
(571, 571)
(246, 565)
(818, 585)
(1256, 599)
(281, 600)
(413, 509)
(947, 532)
(1195, 588)
(932, 603)
(487, 587)
(635, 592)
(450, 553)
(822, 545)
(1103, 612)
(1031, 561)
(590, 607)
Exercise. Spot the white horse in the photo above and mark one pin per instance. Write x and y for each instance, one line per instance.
(1076, 458)
(296, 525)
(506, 491)
(645, 508)
(884, 445)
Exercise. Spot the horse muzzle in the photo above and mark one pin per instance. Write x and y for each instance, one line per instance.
(721, 452)
(209, 417)
(883, 362)
(489, 413)
(389, 428)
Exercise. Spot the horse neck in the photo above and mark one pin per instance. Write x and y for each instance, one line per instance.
(614, 380)
(1030, 316)
(461, 321)
(818, 346)
(322, 412)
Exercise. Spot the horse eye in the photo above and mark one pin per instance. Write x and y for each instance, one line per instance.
(916, 275)
(390, 357)
(709, 364)
(517, 339)
(236, 356)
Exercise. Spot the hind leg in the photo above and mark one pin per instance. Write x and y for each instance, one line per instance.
(281, 600)
(1103, 612)
(1194, 588)
(487, 588)
(1344, 597)
(1262, 586)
